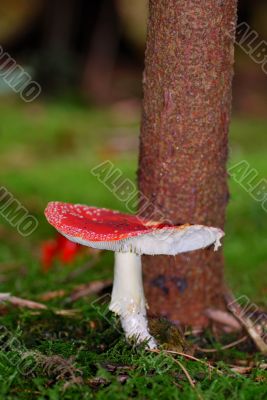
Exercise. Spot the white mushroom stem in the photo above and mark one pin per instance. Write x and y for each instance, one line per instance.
(128, 300)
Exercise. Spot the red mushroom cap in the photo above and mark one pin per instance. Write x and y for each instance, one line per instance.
(96, 224)
(112, 230)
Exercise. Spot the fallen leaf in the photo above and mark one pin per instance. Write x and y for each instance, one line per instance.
(96, 382)
(260, 378)
(241, 370)
(59, 247)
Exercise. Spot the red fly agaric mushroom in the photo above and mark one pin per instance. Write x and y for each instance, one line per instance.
(128, 236)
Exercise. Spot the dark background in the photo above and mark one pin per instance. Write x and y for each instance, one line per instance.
(95, 49)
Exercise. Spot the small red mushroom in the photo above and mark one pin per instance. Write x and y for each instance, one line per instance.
(128, 236)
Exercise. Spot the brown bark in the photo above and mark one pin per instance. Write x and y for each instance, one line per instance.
(183, 146)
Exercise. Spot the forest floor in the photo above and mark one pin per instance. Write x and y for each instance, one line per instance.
(74, 348)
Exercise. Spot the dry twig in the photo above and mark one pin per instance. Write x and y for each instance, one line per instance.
(223, 318)
(248, 324)
(189, 357)
(17, 301)
(227, 346)
(88, 289)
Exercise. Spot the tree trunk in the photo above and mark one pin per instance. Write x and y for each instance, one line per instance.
(184, 144)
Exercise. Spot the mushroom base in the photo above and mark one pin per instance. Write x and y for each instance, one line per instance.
(128, 300)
